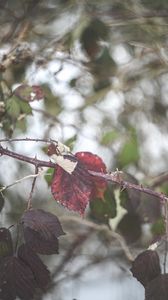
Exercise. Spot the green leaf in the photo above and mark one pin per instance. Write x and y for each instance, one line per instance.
(109, 137)
(13, 107)
(22, 125)
(70, 142)
(49, 176)
(103, 209)
(129, 152)
(25, 108)
(158, 228)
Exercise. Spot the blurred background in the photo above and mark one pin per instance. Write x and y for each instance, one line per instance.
(103, 69)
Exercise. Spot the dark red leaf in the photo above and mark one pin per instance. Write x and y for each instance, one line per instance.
(37, 90)
(16, 279)
(72, 184)
(31, 259)
(39, 244)
(6, 246)
(29, 93)
(72, 190)
(94, 163)
(157, 289)
(45, 223)
(146, 267)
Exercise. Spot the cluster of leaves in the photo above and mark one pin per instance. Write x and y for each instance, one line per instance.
(76, 189)
(15, 106)
(146, 269)
(22, 271)
(74, 186)
(106, 26)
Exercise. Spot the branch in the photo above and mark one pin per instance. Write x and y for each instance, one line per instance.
(34, 161)
(136, 16)
(160, 180)
(100, 228)
(28, 140)
(114, 177)
(29, 203)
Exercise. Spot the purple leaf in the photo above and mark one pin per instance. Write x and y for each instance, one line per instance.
(157, 289)
(6, 247)
(146, 267)
(31, 259)
(45, 223)
(39, 244)
(16, 279)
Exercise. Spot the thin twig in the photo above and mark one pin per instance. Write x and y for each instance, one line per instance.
(47, 115)
(28, 140)
(78, 242)
(98, 227)
(3, 188)
(29, 202)
(160, 180)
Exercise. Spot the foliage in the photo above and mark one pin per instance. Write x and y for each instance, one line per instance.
(92, 74)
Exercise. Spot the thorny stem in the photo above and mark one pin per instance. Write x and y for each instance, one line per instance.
(36, 162)
(113, 177)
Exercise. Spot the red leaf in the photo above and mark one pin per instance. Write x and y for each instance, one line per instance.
(29, 93)
(72, 190)
(94, 163)
(39, 94)
(75, 189)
